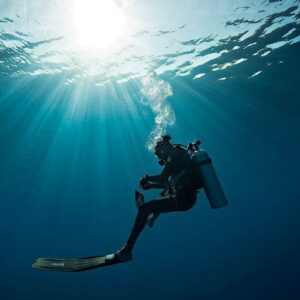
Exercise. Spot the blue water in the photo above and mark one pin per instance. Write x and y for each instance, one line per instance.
(76, 126)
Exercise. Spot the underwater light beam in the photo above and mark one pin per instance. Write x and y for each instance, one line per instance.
(155, 94)
(97, 23)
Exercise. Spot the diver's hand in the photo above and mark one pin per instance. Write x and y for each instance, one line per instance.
(146, 186)
(144, 181)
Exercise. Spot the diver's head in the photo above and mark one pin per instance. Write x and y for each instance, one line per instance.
(163, 148)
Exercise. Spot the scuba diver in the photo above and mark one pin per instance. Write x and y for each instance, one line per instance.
(186, 170)
(180, 180)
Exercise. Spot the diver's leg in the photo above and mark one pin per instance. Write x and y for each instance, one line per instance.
(153, 216)
(139, 201)
(162, 205)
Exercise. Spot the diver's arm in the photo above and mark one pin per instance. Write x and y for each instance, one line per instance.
(155, 179)
(148, 186)
(163, 177)
(152, 182)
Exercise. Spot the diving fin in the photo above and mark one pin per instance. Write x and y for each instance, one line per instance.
(75, 265)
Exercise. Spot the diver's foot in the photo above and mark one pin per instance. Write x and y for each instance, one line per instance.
(139, 199)
(151, 219)
(122, 255)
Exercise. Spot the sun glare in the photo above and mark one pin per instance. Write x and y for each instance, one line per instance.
(98, 23)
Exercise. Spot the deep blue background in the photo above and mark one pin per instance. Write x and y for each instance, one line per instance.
(70, 161)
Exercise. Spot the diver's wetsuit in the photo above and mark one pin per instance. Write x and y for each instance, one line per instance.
(182, 197)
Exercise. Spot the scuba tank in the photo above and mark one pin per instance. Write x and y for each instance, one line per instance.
(210, 181)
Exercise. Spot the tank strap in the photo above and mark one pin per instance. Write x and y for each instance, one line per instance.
(204, 162)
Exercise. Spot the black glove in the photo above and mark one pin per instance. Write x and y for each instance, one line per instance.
(144, 181)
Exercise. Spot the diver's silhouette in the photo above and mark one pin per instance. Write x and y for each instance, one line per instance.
(186, 170)
(180, 180)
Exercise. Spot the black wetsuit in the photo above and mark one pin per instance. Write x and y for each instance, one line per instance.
(182, 193)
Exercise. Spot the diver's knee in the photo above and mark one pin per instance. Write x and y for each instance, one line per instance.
(145, 209)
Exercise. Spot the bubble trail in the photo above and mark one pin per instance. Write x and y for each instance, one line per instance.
(155, 93)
